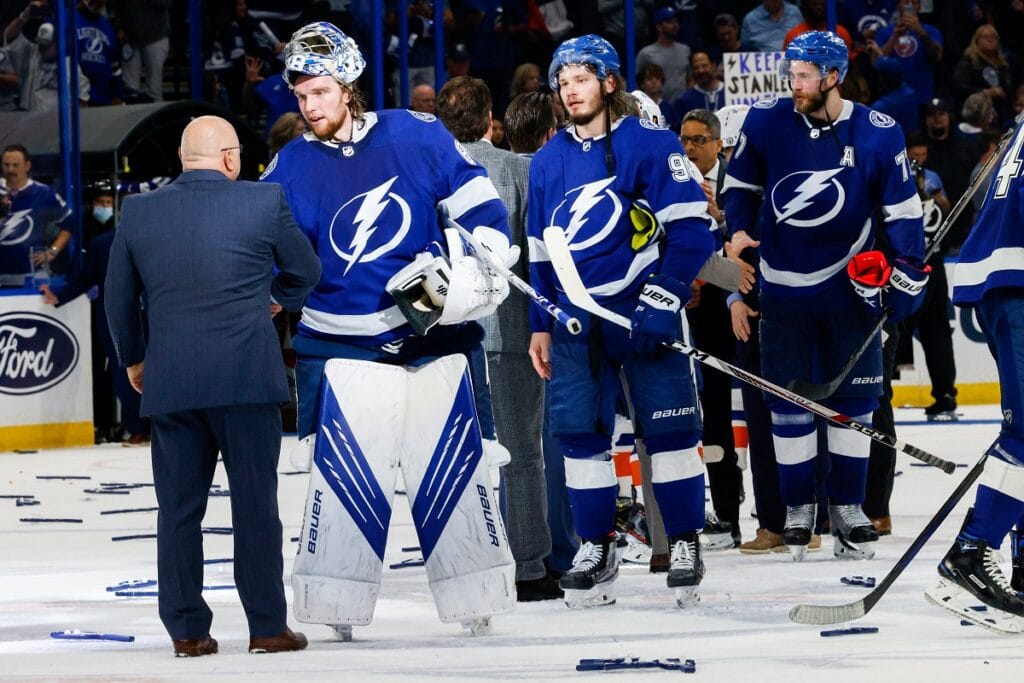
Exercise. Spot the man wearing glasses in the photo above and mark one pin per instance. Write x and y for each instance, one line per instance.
(841, 168)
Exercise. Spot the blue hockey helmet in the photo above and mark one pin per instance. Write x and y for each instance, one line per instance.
(824, 49)
(322, 49)
(585, 50)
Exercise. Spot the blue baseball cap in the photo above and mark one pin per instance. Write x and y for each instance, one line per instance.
(664, 14)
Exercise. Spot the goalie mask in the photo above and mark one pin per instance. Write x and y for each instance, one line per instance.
(322, 49)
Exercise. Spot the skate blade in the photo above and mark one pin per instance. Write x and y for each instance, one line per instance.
(716, 541)
(687, 596)
(845, 550)
(599, 595)
(342, 632)
(799, 552)
(951, 597)
(480, 626)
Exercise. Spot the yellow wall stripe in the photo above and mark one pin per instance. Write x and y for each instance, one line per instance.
(54, 435)
(968, 393)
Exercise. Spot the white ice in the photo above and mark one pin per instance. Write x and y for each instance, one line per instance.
(54, 577)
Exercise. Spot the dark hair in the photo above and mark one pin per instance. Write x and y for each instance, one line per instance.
(528, 119)
(649, 69)
(917, 139)
(708, 118)
(462, 106)
(16, 147)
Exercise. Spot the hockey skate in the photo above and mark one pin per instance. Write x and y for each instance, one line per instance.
(943, 410)
(637, 548)
(590, 580)
(687, 568)
(1017, 557)
(718, 535)
(855, 535)
(970, 571)
(342, 632)
(799, 526)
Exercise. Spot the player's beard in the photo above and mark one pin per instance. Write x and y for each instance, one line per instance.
(585, 117)
(809, 103)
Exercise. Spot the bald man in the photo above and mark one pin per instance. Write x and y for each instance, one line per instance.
(423, 99)
(214, 259)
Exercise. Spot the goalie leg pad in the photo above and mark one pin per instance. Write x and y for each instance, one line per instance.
(336, 576)
(465, 549)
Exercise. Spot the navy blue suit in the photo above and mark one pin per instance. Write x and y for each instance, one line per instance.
(204, 250)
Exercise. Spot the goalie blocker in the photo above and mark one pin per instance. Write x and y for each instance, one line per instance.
(427, 425)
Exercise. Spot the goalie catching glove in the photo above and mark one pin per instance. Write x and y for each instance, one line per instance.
(656, 318)
(435, 290)
(871, 274)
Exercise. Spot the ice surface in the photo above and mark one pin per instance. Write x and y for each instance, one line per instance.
(54, 577)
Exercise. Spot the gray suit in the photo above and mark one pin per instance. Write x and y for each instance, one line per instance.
(201, 253)
(516, 391)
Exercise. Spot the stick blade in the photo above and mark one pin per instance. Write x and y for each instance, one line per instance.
(815, 392)
(821, 615)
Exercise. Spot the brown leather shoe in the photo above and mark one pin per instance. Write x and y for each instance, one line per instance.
(883, 525)
(285, 641)
(660, 563)
(195, 647)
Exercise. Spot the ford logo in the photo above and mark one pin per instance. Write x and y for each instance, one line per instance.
(36, 353)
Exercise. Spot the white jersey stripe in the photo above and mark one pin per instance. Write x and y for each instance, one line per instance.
(365, 325)
(640, 262)
(909, 208)
(477, 191)
(680, 210)
(970, 274)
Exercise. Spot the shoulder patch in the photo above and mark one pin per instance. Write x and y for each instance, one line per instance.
(767, 103)
(270, 167)
(881, 120)
(647, 123)
(465, 155)
(423, 116)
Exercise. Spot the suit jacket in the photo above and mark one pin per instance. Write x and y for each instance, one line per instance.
(202, 252)
(508, 330)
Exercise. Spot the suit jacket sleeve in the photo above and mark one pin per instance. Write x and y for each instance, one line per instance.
(123, 291)
(298, 265)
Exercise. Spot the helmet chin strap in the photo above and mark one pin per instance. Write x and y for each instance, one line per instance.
(828, 119)
(609, 157)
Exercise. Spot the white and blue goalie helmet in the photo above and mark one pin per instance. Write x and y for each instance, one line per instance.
(322, 49)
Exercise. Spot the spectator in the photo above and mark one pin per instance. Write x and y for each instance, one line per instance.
(33, 233)
(984, 68)
(498, 133)
(421, 46)
(493, 28)
(145, 35)
(727, 39)
(863, 18)
(38, 76)
(978, 114)
(288, 127)
(529, 122)
(457, 60)
(672, 57)
(269, 93)
(99, 54)
(896, 98)
(708, 91)
(107, 378)
(526, 78)
(952, 156)
(917, 46)
(649, 78)
(765, 26)
(614, 25)
(423, 99)
(815, 20)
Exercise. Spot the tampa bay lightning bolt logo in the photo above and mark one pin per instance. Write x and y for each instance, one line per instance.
(16, 228)
(808, 199)
(589, 213)
(370, 225)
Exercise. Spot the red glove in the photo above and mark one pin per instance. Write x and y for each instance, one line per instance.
(869, 271)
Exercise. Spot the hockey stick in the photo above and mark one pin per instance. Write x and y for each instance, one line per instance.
(816, 392)
(565, 269)
(837, 614)
(485, 255)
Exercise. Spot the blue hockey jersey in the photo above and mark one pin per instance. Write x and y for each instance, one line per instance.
(369, 206)
(993, 254)
(100, 58)
(823, 193)
(35, 210)
(570, 188)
